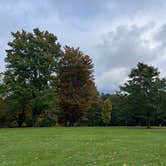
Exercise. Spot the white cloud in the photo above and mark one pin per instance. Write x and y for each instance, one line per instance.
(111, 79)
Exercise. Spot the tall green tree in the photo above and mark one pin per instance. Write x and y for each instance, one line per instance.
(31, 67)
(76, 86)
(143, 90)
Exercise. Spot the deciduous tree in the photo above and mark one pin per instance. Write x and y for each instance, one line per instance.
(76, 86)
(31, 66)
(106, 111)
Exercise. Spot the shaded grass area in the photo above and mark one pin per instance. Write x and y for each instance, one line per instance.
(83, 146)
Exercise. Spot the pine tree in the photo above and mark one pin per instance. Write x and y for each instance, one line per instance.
(143, 90)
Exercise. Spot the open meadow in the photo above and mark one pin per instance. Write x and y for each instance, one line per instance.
(82, 146)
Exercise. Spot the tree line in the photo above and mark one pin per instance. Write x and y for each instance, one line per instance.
(45, 84)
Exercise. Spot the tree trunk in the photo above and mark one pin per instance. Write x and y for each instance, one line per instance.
(21, 118)
(34, 117)
(148, 124)
(148, 120)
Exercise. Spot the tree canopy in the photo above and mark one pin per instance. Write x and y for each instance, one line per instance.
(44, 84)
(76, 86)
(31, 66)
(143, 89)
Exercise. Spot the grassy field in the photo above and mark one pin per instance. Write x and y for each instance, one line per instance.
(82, 147)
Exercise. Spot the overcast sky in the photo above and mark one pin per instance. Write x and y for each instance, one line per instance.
(115, 33)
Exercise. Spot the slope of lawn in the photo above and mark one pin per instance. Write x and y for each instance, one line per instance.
(84, 146)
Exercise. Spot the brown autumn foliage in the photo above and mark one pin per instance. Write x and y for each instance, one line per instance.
(76, 86)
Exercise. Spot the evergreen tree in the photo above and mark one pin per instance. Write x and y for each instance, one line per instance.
(143, 90)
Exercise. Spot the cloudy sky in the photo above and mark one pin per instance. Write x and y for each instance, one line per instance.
(115, 33)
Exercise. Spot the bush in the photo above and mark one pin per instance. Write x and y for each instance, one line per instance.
(47, 119)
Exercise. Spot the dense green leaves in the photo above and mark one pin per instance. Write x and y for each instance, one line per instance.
(143, 90)
(31, 66)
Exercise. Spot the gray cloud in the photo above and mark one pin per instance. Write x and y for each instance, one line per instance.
(115, 33)
(124, 47)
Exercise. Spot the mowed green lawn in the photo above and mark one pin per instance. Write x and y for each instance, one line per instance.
(82, 146)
